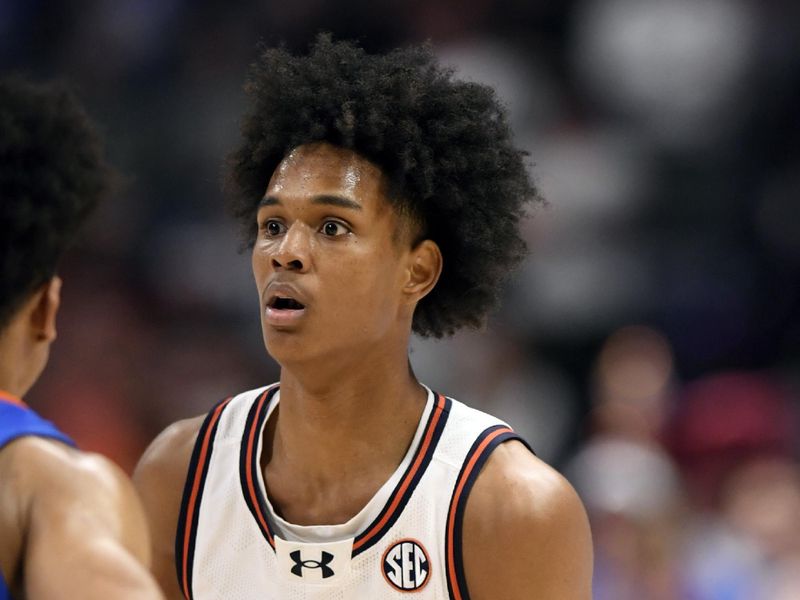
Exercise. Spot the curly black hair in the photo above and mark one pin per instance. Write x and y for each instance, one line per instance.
(444, 144)
(52, 174)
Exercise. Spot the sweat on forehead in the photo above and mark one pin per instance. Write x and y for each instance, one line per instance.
(332, 169)
(323, 173)
(321, 160)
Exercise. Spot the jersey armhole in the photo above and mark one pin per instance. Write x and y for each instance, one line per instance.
(477, 456)
(192, 496)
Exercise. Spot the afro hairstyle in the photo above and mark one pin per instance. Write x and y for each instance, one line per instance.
(52, 174)
(444, 144)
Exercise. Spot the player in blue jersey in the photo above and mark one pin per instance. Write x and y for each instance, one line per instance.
(379, 195)
(71, 526)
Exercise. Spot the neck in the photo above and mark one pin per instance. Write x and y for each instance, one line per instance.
(363, 417)
(345, 435)
(7, 388)
(13, 379)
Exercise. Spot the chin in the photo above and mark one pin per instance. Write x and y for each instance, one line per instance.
(306, 352)
(286, 347)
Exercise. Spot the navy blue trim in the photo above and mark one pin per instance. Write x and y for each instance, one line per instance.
(187, 492)
(472, 476)
(426, 459)
(259, 417)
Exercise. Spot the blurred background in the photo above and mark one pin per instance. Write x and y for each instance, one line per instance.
(650, 346)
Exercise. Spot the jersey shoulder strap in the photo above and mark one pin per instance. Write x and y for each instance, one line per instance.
(17, 420)
(215, 428)
(486, 433)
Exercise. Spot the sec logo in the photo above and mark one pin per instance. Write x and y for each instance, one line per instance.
(406, 566)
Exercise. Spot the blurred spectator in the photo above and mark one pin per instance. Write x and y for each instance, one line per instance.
(633, 385)
(724, 420)
(651, 539)
(735, 436)
(630, 485)
(761, 499)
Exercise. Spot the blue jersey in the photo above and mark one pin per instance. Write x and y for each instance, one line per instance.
(16, 421)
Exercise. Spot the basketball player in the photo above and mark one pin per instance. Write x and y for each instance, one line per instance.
(379, 196)
(70, 523)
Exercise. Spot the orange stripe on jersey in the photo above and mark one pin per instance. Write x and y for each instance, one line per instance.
(475, 456)
(198, 475)
(409, 476)
(249, 475)
(12, 399)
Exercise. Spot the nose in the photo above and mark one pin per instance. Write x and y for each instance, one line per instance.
(293, 252)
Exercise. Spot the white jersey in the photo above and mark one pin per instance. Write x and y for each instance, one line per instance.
(405, 544)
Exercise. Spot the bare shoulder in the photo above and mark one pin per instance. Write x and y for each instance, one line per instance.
(46, 463)
(50, 477)
(59, 478)
(525, 528)
(159, 478)
(45, 479)
(160, 475)
(169, 453)
(531, 489)
(68, 501)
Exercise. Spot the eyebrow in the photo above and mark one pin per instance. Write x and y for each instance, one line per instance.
(325, 199)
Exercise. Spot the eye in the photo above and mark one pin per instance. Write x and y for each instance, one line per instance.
(273, 227)
(334, 229)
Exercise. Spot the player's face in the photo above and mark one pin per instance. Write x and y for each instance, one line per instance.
(327, 260)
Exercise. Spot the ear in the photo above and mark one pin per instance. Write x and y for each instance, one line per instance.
(45, 303)
(424, 268)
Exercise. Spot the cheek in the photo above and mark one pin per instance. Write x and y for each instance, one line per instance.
(366, 286)
(259, 262)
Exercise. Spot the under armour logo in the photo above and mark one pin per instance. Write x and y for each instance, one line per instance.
(322, 563)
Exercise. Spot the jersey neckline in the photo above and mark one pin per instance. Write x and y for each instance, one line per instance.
(410, 471)
(359, 522)
(10, 398)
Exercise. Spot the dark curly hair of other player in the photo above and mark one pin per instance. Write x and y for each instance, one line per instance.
(52, 174)
(444, 144)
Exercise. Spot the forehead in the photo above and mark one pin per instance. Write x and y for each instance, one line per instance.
(321, 168)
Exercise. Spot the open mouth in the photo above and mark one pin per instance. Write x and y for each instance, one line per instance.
(278, 303)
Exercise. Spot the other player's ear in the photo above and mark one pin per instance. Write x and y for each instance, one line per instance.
(46, 301)
(424, 268)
